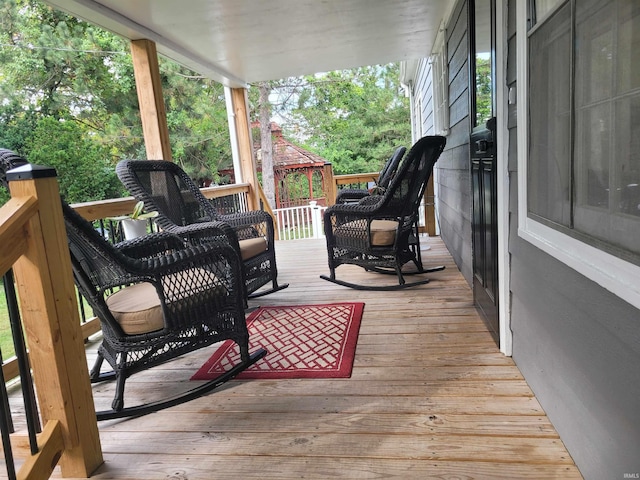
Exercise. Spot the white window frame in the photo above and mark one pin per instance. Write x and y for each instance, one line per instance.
(620, 277)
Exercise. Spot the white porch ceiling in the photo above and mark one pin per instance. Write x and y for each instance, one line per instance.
(237, 42)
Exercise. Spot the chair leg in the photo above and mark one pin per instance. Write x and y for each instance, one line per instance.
(94, 373)
(118, 398)
(399, 274)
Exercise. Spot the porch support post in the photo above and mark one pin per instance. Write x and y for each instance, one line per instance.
(52, 324)
(242, 144)
(152, 108)
(429, 209)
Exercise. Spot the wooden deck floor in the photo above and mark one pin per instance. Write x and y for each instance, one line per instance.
(430, 397)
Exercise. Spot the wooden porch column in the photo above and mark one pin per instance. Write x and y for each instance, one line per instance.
(244, 143)
(429, 209)
(52, 324)
(152, 109)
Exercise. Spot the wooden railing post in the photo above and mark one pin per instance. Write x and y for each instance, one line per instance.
(52, 325)
(329, 184)
(316, 220)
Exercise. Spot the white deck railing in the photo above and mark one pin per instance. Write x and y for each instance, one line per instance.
(300, 222)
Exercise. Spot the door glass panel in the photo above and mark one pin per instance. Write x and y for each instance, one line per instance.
(484, 73)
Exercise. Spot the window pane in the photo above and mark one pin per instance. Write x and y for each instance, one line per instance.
(627, 154)
(542, 7)
(549, 162)
(607, 113)
(593, 152)
(628, 67)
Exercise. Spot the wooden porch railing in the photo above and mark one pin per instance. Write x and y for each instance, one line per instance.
(33, 242)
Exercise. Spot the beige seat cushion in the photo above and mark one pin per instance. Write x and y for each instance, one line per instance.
(383, 232)
(137, 309)
(251, 247)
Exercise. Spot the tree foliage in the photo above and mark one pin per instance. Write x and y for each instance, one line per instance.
(53, 66)
(68, 99)
(65, 146)
(353, 118)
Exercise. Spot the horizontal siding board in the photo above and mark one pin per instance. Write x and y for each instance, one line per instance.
(459, 136)
(457, 29)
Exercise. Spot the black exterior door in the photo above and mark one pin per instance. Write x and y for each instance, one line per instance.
(483, 161)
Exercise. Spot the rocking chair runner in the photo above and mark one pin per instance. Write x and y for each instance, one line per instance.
(157, 298)
(353, 195)
(185, 211)
(377, 233)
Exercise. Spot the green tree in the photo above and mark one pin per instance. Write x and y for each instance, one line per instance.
(197, 122)
(483, 90)
(83, 167)
(353, 118)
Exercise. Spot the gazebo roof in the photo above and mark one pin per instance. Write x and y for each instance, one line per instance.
(288, 156)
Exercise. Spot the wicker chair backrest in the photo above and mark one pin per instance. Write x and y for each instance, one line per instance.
(391, 167)
(166, 188)
(402, 197)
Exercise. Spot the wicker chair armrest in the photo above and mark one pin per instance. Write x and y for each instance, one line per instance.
(350, 209)
(372, 200)
(243, 219)
(206, 232)
(251, 224)
(154, 268)
(186, 258)
(351, 195)
(150, 245)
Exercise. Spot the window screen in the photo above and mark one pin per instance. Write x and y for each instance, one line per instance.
(584, 123)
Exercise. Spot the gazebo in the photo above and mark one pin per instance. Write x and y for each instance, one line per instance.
(298, 173)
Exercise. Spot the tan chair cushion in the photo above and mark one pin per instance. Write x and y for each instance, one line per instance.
(383, 232)
(137, 309)
(251, 247)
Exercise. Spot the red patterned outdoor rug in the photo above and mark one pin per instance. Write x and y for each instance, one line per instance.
(302, 341)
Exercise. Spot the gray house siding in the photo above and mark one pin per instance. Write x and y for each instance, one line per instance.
(424, 85)
(577, 345)
(454, 182)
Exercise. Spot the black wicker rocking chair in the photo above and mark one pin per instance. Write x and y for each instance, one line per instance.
(377, 233)
(388, 171)
(157, 298)
(166, 188)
